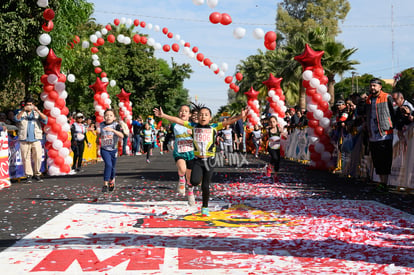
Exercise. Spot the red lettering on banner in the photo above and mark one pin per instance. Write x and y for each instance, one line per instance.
(4, 168)
(204, 259)
(139, 259)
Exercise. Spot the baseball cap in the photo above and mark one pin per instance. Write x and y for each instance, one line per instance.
(79, 115)
(340, 102)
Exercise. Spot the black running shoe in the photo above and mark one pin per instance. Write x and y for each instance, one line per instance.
(38, 178)
(104, 188)
(111, 185)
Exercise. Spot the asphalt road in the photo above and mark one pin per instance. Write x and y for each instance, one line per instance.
(25, 207)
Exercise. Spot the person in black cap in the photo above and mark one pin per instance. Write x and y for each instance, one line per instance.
(380, 124)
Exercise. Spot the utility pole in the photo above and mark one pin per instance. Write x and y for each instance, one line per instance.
(352, 88)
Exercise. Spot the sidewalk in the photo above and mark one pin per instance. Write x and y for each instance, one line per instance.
(67, 226)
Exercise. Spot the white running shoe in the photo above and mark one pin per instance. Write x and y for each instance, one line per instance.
(181, 186)
(190, 196)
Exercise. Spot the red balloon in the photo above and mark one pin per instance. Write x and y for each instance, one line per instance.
(312, 148)
(217, 71)
(59, 161)
(53, 95)
(48, 14)
(47, 27)
(271, 46)
(64, 168)
(318, 72)
(62, 135)
(215, 17)
(324, 80)
(70, 44)
(313, 123)
(317, 98)
(232, 86)
(56, 128)
(164, 30)
(175, 47)
(142, 24)
(51, 121)
(100, 41)
(239, 76)
(323, 105)
(99, 119)
(111, 38)
(328, 113)
(236, 89)
(76, 40)
(137, 38)
(195, 49)
(207, 62)
(108, 27)
(52, 153)
(324, 139)
(305, 84)
(43, 79)
(187, 44)
(309, 116)
(225, 19)
(318, 131)
(98, 70)
(136, 22)
(144, 40)
(94, 50)
(64, 111)
(270, 36)
(228, 79)
(329, 147)
(315, 156)
(310, 91)
(166, 48)
(170, 35)
(60, 103)
(48, 88)
(200, 57)
(116, 22)
(103, 74)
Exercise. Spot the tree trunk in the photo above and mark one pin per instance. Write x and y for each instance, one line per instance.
(302, 97)
(331, 89)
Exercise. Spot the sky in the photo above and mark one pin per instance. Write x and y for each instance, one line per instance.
(381, 30)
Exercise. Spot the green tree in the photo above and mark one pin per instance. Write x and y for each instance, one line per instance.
(405, 83)
(298, 16)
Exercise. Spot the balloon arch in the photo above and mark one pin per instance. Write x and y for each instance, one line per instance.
(54, 94)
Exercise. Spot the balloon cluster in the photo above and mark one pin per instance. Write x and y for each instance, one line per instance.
(125, 111)
(54, 101)
(318, 112)
(253, 113)
(276, 99)
(222, 18)
(270, 40)
(101, 99)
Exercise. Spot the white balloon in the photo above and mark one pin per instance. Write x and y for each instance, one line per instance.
(321, 89)
(326, 156)
(66, 127)
(191, 55)
(60, 87)
(120, 38)
(104, 31)
(63, 94)
(45, 39)
(42, 3)
(271, 93)
(324, 122)
(112, 83)
(177, 37)
(198, 2)
(57, 144)
(275, 98)
(51, 137)
(212, 3)
(221, 74)
(326, 97)
(157, 28)
(53, 170)
(130, 103)
(127, 40)
(52, 78)
(61, 120)
(258, 33)
(71, 78)
(151, 41)
(182, 42)
(85, 44)
(98, 108)
(63, 152)
(108, 101)
(55, 112)
(307, 75)
(314, 82)
(224, 67)
(157, 46)
(48, 104)
(318, 114)
(319, 147)
(311, 107)
(98, 34)
(93, 38)
(123, 20)
(213, 67)
(43, 96)
(128, 22)
(283, 108)
(104, 79)
(104, 96)
(68, 160)
(121, 104)
(149, 26)
(42, 51)
(101, 112)
(96, 63)
(239, 32)
(95, 57)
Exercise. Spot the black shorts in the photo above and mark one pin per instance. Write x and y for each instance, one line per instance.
(381, 153)
(188, 163)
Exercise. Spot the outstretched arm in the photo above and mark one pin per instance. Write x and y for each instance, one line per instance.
(233, 119)
(159, 113)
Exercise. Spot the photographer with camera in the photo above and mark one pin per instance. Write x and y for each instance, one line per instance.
(29, 120)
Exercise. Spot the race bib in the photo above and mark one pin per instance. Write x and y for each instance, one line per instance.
(203, 135)
(107, 141)
(274, 142)
(184, 145)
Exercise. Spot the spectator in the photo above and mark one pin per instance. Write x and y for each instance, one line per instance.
(29, 120)
(404, 111)
(380, 124)
(6, 123)
(78, 132)
(125, 131)
(239, 136)
(294, 119)
(136, 131)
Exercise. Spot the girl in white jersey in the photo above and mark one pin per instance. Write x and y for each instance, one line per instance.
(109, 131)
(273, 134)
(204, 140)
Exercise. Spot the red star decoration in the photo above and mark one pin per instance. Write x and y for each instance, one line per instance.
(310, 59)
(251, 94)
(123, 96)
(273, 82)
(52, 63)
(98, 86)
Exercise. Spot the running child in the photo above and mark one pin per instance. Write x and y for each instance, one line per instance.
(109, 131)
(162, 133)
(273, 134)
(148, 140)
(183, 154)
(204, 140)
(256, 137)
(226, 141)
